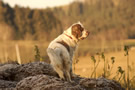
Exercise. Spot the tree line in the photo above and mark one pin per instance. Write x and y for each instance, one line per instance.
(29, 24)
(105, 19)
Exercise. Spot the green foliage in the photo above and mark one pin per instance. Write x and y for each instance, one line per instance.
(96, 63)
(37, 54)
(110, 67)
(105, 66)
(93, 59)
(126, 49)
(120, 70)
(113, 60)
(120, 74)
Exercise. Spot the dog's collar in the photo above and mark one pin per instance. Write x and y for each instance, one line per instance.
(68, 36)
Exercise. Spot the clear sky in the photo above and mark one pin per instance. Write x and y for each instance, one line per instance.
(38, 3)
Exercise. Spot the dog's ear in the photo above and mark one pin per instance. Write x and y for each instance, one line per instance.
(77, 30)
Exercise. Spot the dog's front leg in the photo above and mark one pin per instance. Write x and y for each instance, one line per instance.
(71, 72)
(67, 70)
(73, 75)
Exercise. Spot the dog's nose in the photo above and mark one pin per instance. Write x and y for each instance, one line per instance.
(87, 33)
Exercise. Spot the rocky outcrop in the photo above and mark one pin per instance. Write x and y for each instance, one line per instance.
(100, 84)
(41, 76)
(17, 72)
(44, 82)
(7, 71)
(7, 85)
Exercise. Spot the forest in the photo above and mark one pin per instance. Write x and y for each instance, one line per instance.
(105, 19)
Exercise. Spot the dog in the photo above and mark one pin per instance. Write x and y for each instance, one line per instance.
(61, 50)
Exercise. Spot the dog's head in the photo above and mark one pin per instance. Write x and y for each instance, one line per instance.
(77, 31)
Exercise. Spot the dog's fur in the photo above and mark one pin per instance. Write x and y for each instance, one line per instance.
(61, 49)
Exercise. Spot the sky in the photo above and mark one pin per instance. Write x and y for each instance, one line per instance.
(38, 3)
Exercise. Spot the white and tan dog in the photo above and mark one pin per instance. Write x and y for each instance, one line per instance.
(61, 49)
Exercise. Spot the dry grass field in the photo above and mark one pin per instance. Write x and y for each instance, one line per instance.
(85, 65)
(26, 50)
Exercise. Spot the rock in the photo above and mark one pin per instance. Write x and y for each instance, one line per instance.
(7, 71)
(7, 85)
(18, 72)
(32, 69)
(100, 84)
(41, 76)
(44, 82)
